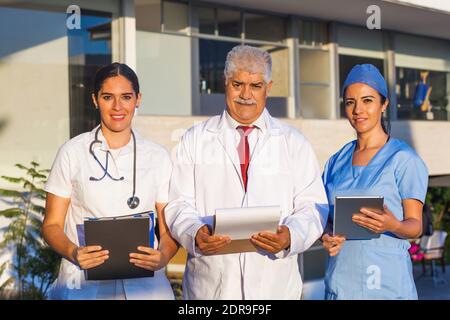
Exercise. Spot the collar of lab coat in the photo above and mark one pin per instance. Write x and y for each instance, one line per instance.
(225, 135)
(128, 148)
(270, 125)
(259, 123)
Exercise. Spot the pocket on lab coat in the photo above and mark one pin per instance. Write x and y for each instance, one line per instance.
(202, 277)
(282, 279)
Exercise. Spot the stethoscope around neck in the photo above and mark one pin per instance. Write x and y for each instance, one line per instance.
(133, 201)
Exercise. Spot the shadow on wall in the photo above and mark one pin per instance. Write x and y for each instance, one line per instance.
(3, 124)
(39, 24)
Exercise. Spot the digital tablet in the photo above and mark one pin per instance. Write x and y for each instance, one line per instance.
(345, 207)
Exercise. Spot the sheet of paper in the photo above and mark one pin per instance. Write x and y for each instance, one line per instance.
(242, 223)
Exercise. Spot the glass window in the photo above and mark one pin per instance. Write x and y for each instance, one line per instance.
(34, 72)
(422, 94)
(346, 63)
(47, 70)
(280, 69)
(277, 100)
(148, 15)
(312, 33)
(212, 82)
(207, 20)
(213, 54)
(362, 41)
(314, 84)
(89, 49)
(164, 66)
(212, 85)
(229, 23)
(175, 16)
(264, 27)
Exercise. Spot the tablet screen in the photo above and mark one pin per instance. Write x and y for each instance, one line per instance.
(345, 207)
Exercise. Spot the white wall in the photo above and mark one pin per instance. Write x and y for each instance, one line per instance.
(34, 82)
(431, 139)
(357, 41)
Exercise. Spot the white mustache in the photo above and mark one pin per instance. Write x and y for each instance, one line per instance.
(244, 101)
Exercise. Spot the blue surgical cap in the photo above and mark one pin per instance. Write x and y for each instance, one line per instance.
(367, 74)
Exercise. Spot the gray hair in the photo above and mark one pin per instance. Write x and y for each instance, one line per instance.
(250, 59)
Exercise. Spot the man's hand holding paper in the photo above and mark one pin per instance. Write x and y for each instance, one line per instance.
(235, 227)
(210, 244)
(273, 242)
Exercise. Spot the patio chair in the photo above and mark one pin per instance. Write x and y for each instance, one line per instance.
(433, 248)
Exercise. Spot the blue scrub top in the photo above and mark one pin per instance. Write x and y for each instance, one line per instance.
(377, 268)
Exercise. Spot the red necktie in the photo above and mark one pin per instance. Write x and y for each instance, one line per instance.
(244, 151)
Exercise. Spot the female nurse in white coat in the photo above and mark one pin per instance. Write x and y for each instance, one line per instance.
(110, 171)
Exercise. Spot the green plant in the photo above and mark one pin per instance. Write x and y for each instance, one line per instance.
(176, 284)
(34, 264)
(438, 198)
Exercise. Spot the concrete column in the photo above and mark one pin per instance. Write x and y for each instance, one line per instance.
(390, 73)
(195, 63)
(333, 47)
(127, 34)
(293, 107)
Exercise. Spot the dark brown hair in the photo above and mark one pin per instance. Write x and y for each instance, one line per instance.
(113, 70)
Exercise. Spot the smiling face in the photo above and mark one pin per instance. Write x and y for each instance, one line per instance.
(116, 101)
(246, 95)
(364, 108)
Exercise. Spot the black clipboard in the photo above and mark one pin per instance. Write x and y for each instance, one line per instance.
(345, 207)
(120, 236)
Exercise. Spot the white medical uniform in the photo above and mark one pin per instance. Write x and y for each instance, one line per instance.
(69, 178)
(283, 170)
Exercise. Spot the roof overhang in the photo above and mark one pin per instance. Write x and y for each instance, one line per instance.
(428, 19)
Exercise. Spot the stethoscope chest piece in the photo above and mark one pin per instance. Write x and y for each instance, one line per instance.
(133, 202)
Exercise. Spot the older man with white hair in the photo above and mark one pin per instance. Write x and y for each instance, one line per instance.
(245, 158)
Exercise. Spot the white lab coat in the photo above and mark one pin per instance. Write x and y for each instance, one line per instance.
(283, 171)
(69, 178)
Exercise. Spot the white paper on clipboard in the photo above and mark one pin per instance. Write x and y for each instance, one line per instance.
(242, 223)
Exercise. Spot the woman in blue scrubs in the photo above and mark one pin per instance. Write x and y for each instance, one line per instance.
(374, 164)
